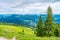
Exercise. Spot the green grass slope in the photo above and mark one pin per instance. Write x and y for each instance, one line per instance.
(10, 31)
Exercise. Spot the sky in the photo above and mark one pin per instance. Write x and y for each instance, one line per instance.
(28, 6)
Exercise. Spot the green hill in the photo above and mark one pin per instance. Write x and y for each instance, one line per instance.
(11, 31)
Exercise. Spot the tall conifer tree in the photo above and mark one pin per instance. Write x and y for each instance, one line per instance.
(49, 22)
(39, 26)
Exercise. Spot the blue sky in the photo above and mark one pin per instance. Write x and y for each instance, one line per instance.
(28, 6)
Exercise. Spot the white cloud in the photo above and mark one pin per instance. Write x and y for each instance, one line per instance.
(24, 7)
(56, 7)
(32, 8)
(38, 8)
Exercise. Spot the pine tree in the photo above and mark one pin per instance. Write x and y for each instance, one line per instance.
(49, 22)
(39, 27)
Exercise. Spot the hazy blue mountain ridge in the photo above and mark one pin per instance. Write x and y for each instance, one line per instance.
(27, 19)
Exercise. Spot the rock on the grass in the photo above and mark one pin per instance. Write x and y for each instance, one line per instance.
(2, 38)
(14, 38)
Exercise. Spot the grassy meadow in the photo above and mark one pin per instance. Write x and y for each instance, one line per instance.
(10, 31)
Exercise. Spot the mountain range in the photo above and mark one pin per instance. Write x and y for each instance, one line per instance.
(27, 19)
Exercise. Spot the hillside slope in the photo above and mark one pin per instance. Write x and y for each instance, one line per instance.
(11, 31)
